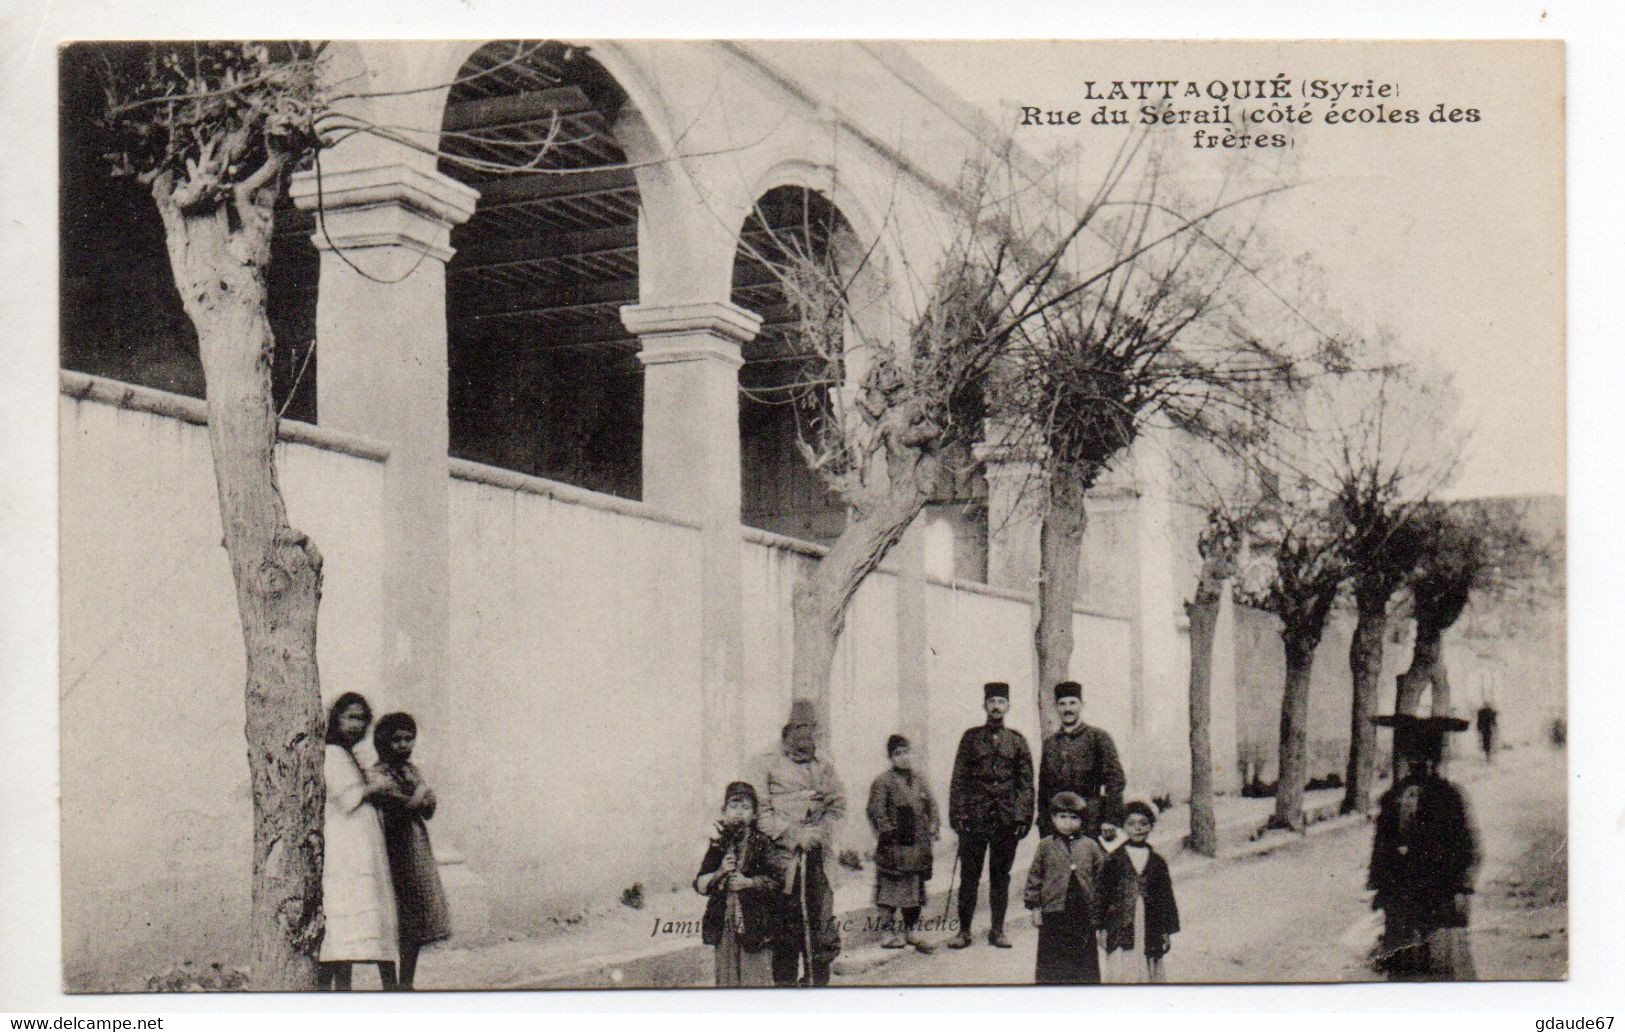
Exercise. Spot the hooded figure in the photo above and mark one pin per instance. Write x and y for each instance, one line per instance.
(802, 802)
(1424, 859)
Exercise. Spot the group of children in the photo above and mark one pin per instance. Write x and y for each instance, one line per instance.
(381, 894)
(1106, 892)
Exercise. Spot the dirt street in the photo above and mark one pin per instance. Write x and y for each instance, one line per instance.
(1300, 913)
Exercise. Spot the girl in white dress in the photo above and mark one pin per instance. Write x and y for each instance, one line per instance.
(358, 899)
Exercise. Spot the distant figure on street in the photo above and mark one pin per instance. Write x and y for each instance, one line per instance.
(358, 897)
(904, 817)
(1424, 860)
(990, 808)
(1082, 759)
(802, 802)
(1487, 717)
(422, 915)
(1063, 893)
(1141, 914)
(742, 876)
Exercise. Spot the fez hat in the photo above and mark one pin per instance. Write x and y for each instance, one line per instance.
(995, 690)
(740, 790)
(1068, 688)
(894, 743)
(802, 714)
(1067, 802)
(1420, 737)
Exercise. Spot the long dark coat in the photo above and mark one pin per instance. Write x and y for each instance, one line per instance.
(762, 909)
(991, 794)
(1418, 867)
(904, 817)
(1120, 883)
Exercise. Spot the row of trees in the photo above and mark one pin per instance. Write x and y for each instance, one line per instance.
(1077, 321)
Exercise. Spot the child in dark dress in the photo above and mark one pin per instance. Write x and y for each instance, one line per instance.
(743, 875)
(1062, 894)
(1141, 913)
(420, 900)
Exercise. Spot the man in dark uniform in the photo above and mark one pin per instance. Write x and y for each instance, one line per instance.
(1486, 730)
(1424, 859)
(990, 808)
(1082, 759)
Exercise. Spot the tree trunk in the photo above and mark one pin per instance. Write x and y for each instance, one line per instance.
(821, 597)
(1294, 755)
(1203, 612)
(1426, 657)
(219, 265)
(1060, 543)
(1365, 664)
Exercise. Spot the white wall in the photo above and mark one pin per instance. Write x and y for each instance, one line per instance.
(155, 802)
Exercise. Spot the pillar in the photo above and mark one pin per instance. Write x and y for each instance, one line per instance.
(691, 465)
(1014, 472)
(384, 235)
(913, 642)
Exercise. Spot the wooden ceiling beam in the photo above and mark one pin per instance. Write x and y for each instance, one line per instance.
(515, 109)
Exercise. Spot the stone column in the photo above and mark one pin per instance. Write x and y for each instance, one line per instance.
(913, 643)
(1014, 472)
(384, 234)
(691, 465)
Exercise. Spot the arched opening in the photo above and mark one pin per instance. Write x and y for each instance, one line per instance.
(543, 377)
(786, 380)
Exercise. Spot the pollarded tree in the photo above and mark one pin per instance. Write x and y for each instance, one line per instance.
(213, 131)
(1159, 342)
(1299, 571)
(886, 415)
(1393, 450)
(1467, 549)
(1221, 480)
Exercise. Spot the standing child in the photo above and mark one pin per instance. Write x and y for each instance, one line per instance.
(904, 817)
(743, 874)
(1062, 894)
(1141, 915)
(420, 899)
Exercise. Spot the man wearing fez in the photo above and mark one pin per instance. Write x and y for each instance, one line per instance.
(1424, 859)
(1082, 759)
(990, 808)
(802, 802)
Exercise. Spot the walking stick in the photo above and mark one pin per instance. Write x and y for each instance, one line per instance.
(806, 924)
(947, 901)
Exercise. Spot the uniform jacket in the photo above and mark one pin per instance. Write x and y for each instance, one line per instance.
(992, 789)
(759, 910)
(800, 804)
(904, 817)
(1419, 864)
(1120, 885)
(1058, 861)
(1082, 761)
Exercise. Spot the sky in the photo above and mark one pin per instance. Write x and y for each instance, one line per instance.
(1450, 237)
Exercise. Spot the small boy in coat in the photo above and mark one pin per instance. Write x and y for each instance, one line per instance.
(904, 816)
(1062, 893)
(1141, 914)
(743, 874)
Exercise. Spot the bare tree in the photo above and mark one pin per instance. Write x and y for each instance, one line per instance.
(213, 131)
(1394, 449)
(1221, 480)
(1466, 548)
(1156, 341)
(1297, 577)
